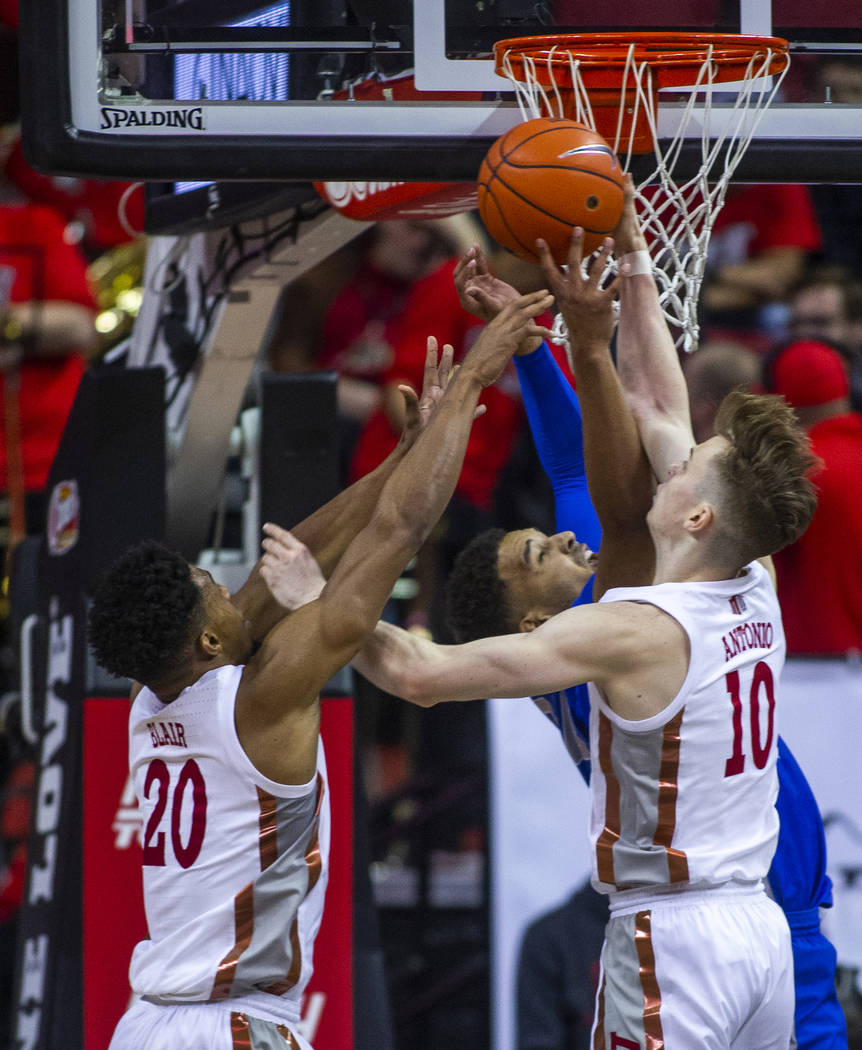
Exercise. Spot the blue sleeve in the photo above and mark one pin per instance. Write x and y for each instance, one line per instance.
(555, 422)
(798, 878)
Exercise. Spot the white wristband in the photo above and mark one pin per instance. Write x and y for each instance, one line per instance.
(638, 262)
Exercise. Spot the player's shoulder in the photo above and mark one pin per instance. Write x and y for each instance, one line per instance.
(627, 621)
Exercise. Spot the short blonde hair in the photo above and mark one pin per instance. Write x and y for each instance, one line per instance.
(768, 498)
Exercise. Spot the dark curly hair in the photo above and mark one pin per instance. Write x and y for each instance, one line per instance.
(476, 602)
(143, 611)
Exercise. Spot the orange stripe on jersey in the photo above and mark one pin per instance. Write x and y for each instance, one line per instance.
(649, 982)
(312, 852)
(599, 1032)
(611, 832)
(240, 1035)
(668, 790)
(243, 918)
(268, 835)
(313, 863)
(288, 1036)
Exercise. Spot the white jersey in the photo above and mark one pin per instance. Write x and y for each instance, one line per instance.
(235, 865)
(687, 797)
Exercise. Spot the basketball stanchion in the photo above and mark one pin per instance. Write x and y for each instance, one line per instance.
(610, 82)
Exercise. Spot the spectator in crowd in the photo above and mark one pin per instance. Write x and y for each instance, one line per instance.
(340, 316)
(710, 374)
(558, 973)
(827, 305)
(760, 244)
(820, 575)
(102, 215)
(46, 333)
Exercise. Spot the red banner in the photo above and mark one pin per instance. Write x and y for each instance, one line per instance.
(113, 910)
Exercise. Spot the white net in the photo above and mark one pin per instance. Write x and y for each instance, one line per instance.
(676, 216)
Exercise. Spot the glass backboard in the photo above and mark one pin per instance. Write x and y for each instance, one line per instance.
(385, 90)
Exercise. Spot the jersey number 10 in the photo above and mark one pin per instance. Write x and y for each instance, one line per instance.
(762, 681)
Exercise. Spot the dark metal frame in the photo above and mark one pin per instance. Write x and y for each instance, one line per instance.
(53, 144)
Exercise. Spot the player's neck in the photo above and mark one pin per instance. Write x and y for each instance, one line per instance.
(685, 563)
(169, 689)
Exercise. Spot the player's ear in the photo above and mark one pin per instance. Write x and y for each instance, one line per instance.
(532, 620)
(209, 642)
(700, 518)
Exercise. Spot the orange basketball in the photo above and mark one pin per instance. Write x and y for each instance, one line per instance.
(545, 176)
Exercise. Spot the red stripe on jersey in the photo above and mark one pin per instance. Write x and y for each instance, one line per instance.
(268, 834)
(243, 918)
(649, 982)
(240, 1035)
(611, 831)
(668, 790)
(313, 865)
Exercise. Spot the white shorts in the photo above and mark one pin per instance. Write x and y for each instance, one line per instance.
(709, 970)
(200, 1026)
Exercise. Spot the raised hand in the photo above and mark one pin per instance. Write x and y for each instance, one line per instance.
(587, 307)
(628, 236)
(480, 292)
(513, 326)
(289, 569)
(435, 379)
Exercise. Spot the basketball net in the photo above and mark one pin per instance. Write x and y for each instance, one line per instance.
(676, 217)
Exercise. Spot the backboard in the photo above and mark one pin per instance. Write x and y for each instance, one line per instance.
(377, 89)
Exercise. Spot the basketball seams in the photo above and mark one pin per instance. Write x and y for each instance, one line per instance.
(538, 208)
(502, 218)
(561, 167)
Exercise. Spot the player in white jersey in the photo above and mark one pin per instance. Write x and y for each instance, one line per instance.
(224, 740)
(683, 674)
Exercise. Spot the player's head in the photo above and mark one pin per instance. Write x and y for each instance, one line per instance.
(504, 582)
(154, 615)
(746, 492)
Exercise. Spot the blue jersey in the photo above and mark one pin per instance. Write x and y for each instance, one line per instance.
(797, 878)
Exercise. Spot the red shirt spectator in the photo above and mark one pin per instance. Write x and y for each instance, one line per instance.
(356, 337)
(754, 219)
(433, 309)
(820, 575)
(94, 203)
(758, 249)
(46, 269)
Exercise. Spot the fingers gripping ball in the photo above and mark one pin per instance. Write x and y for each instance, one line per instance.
(544, 177)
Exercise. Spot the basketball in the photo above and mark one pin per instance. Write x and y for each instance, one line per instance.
(542, 178)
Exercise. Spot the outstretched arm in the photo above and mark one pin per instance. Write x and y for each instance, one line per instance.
(647, 359)
(281, 683)
(628, 649)
(552, 406)
(618, 474)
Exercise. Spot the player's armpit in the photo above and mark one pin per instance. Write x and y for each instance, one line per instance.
(666, 439)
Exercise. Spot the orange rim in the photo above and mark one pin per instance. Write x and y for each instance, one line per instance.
(602, 57)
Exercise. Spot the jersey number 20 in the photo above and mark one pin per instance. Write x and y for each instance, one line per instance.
(762, 681)
(154, 840)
